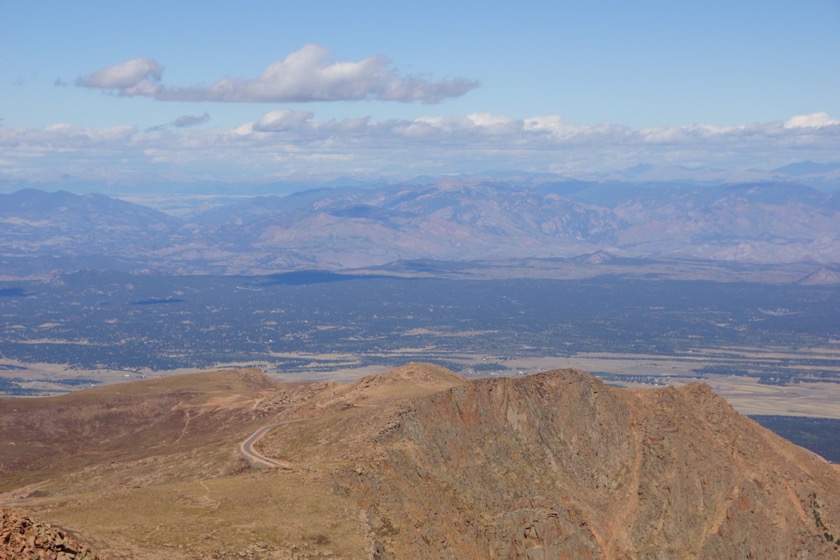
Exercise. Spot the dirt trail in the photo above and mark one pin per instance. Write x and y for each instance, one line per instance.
(246, 448)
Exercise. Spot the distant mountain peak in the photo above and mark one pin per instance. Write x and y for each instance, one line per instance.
(822, 277)
(598, 257)
(801, 168)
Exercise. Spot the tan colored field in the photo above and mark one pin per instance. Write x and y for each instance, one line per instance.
(296, 513)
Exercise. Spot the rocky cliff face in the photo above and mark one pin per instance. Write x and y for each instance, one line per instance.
(560, 465)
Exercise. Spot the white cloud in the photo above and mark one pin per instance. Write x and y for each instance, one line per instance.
(814, 120)
(309, 74)
(282, 142)
(138, 76)
(276, 121)
(489, 119)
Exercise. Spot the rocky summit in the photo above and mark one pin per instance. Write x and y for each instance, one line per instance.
(559, 465)
(418, 463)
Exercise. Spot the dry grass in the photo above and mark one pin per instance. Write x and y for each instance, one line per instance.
(191, 495)
(282, 511)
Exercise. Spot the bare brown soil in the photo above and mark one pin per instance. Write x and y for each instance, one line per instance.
(415, 462)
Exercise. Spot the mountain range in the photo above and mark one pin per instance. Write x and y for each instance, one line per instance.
(413, 463)
(339, 228)
(824, 176)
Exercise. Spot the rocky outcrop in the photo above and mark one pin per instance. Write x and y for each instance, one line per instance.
(559, 465)
(22, 538)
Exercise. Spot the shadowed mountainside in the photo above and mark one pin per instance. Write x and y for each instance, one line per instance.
(418, 462)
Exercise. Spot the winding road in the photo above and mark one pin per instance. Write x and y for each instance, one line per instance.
(246, 448)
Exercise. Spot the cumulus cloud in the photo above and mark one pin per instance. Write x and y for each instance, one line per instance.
(309, 74)
(284, 141)
(814, 120)
(283, 120)
(138, 76)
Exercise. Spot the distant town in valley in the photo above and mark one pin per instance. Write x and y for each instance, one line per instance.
(309, 324)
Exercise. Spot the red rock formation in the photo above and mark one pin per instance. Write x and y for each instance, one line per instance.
(22, 537)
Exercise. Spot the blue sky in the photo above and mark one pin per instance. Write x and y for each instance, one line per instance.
(265, 90)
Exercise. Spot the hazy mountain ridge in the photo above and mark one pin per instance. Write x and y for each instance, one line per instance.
(446, 219)
(70, 230)
(824, 176)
